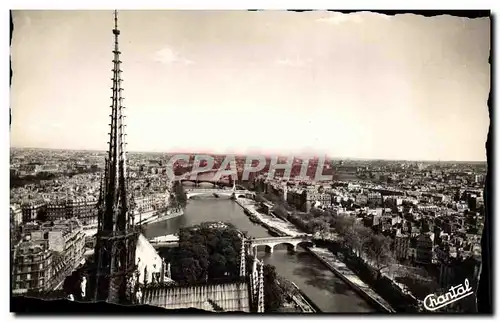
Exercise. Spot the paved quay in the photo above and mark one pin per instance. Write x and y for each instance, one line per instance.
(277, 223)
(338, 267)
(323, 254)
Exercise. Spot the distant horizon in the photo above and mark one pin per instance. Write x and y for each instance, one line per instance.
(365, 85)
(257, 154)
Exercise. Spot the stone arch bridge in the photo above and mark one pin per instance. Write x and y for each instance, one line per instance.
(220, 192)
(270, 242)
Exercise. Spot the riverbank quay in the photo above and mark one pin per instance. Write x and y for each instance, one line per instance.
(302, 303)
(349, 277)
(316, 280)
(144, 217)
(335, 265)
(384, 283)
(401, 300)
(301, 296)
(296, 300)
(270, 222)
(161, 217)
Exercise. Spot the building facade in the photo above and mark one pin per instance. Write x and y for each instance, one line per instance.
(151, 202)
(33, 210)
(401, 246)
(16, 220)
(32, 268)
(83, 208)
(48, 253)
(56, 209)
(424, 247)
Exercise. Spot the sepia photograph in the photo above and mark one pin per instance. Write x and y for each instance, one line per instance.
(250, 161)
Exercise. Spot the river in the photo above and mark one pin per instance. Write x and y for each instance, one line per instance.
(327, 291)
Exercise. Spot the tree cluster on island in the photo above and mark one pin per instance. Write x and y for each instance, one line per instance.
(211, 252)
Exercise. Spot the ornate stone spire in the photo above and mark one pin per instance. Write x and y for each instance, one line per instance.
(116, 236)
(242, 258)
(254, 279)
(260, 298)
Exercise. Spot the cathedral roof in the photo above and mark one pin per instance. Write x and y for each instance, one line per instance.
(232, 296)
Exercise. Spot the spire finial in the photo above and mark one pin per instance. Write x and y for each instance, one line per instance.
(114, 214)
(115, 30)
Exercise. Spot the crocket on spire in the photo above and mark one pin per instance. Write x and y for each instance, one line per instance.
(116, 236)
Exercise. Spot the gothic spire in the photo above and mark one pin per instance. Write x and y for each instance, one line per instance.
(116, 240)
(242, 258)
(102, 196)
(116, 190)
(101, 189)
(254, 279)
(260, 298)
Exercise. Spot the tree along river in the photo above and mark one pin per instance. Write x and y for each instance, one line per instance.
(321, 285)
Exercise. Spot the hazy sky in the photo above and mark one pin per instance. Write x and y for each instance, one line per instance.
(359, 85)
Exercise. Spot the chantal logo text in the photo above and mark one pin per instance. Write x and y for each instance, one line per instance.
(433, 302)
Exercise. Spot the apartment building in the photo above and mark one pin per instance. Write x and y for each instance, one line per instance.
(16, 214)
(295, 198)
(446, 257)
(312, 196)
(32, 267)
(393, 201)
(374, 198)
(56, 209)
(401, 246)
(16, 220)
(82, 207)
(49, 252)
(33, 210)
(427, 207)
(151, 202)
(361, 199)
(424, 247)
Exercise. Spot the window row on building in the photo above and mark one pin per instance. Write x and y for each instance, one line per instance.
(47, 254)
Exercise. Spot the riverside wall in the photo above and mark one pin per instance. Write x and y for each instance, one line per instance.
(339, 269)
(357, 285)
(158, 218)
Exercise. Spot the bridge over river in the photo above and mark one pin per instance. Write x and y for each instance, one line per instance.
(271, 242)
(323, 287)
(268, 242)
(220, 192)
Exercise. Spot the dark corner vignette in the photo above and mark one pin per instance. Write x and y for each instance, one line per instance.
(216, 256)
(485, 298)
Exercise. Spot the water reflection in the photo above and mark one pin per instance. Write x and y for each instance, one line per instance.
(209, 209)
(327, 291)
